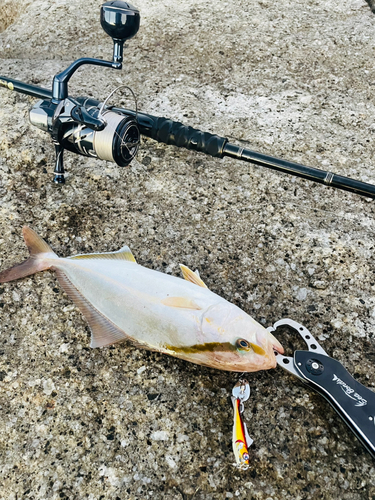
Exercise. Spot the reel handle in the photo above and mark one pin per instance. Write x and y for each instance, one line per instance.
(119, 20)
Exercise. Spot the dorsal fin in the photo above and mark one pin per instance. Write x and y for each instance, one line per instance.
(123, 254)
(192, 276)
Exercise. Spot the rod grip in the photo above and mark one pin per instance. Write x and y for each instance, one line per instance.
(183, 136)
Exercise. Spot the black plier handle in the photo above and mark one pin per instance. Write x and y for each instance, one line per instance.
(354, 402)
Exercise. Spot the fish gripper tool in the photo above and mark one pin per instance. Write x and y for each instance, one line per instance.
(354, 402)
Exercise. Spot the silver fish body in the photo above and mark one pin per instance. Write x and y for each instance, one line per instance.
(122, 300)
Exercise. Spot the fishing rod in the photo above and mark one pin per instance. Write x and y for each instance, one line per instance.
(91, 128)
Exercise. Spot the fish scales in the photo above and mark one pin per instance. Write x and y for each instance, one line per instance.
(122, 300)
(131, 296)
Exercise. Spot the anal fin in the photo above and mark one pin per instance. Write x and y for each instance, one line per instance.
(103, 331)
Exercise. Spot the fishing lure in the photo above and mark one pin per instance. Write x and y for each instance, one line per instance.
(241, 440)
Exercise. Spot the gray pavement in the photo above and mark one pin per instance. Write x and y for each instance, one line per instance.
(291, 79)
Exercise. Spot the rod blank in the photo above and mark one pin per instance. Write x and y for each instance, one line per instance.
(310, 173)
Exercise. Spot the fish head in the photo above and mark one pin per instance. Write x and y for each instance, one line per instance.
(238, 342)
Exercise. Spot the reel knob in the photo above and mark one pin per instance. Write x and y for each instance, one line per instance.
(119, 20)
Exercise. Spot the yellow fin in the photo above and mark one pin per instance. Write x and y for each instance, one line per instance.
(181, 302)
(192, 276)
(123, 254)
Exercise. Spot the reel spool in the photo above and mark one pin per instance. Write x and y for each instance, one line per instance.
(89, 128)
(126, 139)
(113, 136)
(118, 142)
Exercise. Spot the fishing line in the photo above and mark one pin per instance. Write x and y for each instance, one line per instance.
(100, 115)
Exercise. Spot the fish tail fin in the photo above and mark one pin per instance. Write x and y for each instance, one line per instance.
(40, 258)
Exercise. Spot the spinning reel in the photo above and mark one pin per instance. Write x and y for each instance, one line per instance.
(85, 126)
(91, 128)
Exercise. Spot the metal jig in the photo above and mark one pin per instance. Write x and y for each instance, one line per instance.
(241, 440)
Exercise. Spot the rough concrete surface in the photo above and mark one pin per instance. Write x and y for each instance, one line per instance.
(291, 79)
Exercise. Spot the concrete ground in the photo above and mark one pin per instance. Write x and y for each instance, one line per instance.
(291, 79)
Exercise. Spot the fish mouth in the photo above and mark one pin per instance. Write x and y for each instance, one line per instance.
(268, 359)
(276, 346)
(278, 349)
(272, 349)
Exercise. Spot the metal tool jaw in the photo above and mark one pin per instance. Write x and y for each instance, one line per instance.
(287, 362)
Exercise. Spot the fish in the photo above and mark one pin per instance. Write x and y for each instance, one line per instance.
(124, 301)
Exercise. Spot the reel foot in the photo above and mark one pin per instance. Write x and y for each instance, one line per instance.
(59, 166)
(59, 179)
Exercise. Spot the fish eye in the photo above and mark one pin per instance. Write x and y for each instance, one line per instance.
(242, 344)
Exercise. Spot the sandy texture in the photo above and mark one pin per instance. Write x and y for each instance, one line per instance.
(292, 79)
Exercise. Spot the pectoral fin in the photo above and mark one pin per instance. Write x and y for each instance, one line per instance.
(192, 276)
(181, 302)
(103, 331)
